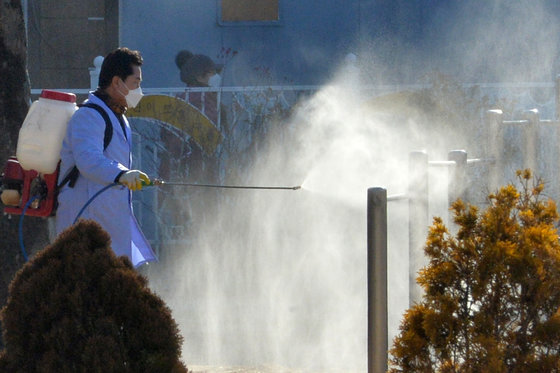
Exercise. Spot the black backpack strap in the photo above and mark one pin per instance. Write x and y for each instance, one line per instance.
(108, 125)
(72, 176)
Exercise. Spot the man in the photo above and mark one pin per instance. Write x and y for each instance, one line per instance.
(96, 152)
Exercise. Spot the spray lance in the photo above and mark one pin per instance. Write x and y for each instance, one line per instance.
(160, 182)
(153, 182)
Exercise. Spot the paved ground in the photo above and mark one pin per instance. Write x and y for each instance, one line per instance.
(218, 369)
(258, 369)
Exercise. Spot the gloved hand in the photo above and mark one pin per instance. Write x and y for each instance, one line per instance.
(133, 179)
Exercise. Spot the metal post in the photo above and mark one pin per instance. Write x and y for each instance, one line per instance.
(530, 143)
(377, 280)
(557, 106)
(417, 220)
(495, 147)
(457, 176)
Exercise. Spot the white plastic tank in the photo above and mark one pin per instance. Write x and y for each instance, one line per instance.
(40, 137)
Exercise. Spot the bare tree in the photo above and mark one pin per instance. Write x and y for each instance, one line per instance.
(14, 103)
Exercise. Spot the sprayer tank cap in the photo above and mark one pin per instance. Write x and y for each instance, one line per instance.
(59, 96)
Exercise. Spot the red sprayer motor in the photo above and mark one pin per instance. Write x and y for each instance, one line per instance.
(21, 188)
(29, 181)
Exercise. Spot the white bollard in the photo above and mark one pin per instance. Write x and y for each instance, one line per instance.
(94, 72)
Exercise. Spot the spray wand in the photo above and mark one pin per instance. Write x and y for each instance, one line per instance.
(154, 182)
(158, 182)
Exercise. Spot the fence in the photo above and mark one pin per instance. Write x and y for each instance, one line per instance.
(526, 136)
(418, 222)
(510, 145)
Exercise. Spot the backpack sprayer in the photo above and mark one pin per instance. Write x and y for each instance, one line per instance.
(29, 181)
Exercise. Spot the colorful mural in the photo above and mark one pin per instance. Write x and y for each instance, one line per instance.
(181, 115)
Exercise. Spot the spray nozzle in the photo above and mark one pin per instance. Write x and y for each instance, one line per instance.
(153, 182)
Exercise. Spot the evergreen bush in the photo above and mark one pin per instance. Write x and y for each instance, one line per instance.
(76, 307)
(492, 290)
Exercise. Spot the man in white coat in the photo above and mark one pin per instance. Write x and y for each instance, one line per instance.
(91, 160)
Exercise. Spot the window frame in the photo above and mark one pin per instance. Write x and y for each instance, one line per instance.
(278, 22)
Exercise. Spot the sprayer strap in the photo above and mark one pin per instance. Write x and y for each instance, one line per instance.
(108, 125)
(72, 176)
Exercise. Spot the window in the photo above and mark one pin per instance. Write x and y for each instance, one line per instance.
(249, 12)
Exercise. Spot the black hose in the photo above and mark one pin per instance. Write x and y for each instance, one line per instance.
(20, 226)
(91, 200)
(155, 182)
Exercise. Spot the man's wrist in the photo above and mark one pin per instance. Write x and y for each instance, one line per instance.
(119, 176)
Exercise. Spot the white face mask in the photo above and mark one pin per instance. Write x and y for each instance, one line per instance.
(215, 80)
(133, 97)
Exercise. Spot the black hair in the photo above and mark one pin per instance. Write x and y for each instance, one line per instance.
(182, 57)
(195, 67)
(118, 63)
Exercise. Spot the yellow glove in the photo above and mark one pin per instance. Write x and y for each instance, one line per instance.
(133, 179)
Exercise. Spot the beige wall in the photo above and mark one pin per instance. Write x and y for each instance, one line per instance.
(64, 36)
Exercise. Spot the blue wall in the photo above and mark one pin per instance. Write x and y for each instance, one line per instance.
(395, 40)
(312, 38)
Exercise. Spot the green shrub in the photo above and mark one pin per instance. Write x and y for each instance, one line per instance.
(492, 290)
(76, 307)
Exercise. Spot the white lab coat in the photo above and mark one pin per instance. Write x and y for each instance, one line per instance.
(112, 209)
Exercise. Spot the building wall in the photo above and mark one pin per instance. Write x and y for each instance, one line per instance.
(396, 41)
(64, 36)
(302, 48)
